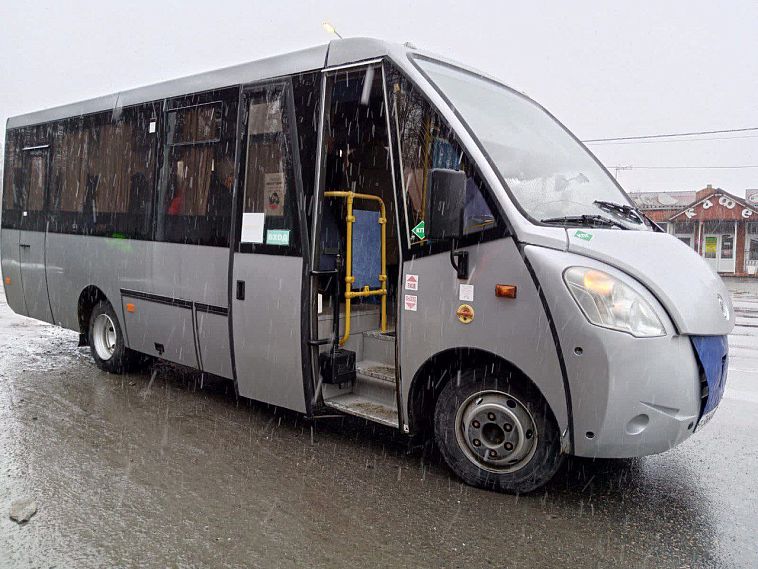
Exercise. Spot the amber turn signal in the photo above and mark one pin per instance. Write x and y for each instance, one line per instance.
(505, 291)
(130, 307)
(7, 280)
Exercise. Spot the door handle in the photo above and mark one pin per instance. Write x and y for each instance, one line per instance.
(24, 245)
(240, 290)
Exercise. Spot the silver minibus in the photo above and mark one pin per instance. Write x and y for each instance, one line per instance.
(366, 228)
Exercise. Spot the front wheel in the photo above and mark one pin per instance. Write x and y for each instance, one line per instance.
(106, 341)
(497, 432)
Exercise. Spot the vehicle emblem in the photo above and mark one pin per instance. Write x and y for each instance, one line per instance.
(724, 307)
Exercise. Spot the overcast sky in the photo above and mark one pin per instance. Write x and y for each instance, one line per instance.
(606, 69)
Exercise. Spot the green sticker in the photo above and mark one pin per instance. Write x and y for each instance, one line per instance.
(420, 230)
(583, 235)
(278, 237)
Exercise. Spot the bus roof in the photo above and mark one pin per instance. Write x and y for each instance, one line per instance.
(337, 52)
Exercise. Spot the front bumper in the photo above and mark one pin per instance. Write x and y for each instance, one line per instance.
(646, 397)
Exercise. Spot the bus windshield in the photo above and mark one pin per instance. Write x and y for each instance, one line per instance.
(551, 176)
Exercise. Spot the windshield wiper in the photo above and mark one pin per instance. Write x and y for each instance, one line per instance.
(627, 211)
(585, 220)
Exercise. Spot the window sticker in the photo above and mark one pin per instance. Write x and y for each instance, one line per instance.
(274, 191)
(466, 293)
(252, 227)
(583, 235)
(411, 302)
(420, 230)
(411, 282)
(278, 237)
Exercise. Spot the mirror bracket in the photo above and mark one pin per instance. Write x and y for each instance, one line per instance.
(459, 260)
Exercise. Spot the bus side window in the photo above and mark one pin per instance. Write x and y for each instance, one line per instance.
(197, 176)
(426, 143)
(268, 173)
(102, 174)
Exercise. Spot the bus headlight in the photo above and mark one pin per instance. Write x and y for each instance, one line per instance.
(608, 302)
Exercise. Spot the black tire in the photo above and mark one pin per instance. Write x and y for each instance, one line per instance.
(463, 393)
(122, 359)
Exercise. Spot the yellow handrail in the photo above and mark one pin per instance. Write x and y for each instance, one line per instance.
(349, 278)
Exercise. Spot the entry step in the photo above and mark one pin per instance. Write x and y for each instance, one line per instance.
(379, 347)
(388, 336)
(377, 370)
(360, 406)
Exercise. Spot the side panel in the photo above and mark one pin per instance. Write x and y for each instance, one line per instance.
(11, 268)
(213, 342)
(267, 335)
(164, 329)
(515, 329)
(190, 274)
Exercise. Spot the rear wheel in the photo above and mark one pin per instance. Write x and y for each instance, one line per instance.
(106, 341)
(497, 432)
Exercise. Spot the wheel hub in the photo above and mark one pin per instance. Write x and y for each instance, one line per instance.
(496, 431)
(104, 336)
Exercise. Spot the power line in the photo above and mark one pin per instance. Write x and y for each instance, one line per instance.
(696, 133)
(622, 142)
(740, 167)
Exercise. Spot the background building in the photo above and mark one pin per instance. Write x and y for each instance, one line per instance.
(721, 227)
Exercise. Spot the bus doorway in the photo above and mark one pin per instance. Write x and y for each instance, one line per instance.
(356, 249)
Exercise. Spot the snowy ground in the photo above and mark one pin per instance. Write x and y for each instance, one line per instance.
(158, 471)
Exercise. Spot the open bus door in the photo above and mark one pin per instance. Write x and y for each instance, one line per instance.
(356, 251)
(268, 266)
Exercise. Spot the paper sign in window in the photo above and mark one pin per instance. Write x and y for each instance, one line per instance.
(252, 227)
(273, 191)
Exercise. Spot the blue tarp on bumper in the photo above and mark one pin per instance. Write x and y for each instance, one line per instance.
(713, 353)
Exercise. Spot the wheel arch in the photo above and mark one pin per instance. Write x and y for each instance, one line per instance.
(88, 299)
(431, 378)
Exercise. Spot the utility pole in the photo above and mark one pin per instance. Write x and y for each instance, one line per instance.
(617, 169)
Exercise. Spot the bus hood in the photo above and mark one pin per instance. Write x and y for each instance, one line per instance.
(692, 293)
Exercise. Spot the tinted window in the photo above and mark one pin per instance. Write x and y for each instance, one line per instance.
(197, 176)
(103, 173)
(201, 123)
(427, 143)
(270, 214)
(25, 178)
(12, 198)
(306, 94)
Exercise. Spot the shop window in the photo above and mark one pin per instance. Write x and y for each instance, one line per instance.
(752, 236)
(684, 227)
(711, 247)
(727, 246)
(197, 176)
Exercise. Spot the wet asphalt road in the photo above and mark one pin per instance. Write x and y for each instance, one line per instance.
(159, 471)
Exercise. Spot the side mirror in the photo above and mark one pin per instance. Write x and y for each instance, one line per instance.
(444, 213)
(445, 203)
